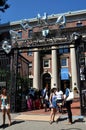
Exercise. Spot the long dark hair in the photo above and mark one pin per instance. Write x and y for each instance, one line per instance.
(3, 90)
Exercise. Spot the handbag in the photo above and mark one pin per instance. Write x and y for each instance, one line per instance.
(70, 97)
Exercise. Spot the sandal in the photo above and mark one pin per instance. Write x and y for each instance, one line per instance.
(51, 122)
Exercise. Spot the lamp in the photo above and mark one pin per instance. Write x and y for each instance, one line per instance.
(76, 37)
(6, 46)
(8, 39)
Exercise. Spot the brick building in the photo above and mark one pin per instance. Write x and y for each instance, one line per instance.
(47, 44)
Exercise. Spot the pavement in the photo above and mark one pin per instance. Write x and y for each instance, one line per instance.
(39, 120)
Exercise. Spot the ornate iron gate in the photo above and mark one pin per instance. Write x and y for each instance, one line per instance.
(82, 62)
(14, 69)
(4, 70)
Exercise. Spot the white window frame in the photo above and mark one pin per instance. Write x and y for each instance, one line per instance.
(20, 34)
(66, 62)
(30, 65)
(48, 63)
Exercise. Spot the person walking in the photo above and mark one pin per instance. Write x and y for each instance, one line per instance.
(45, 95)
(59, 100)
(53, 104)
(68, 104)
(5, 105)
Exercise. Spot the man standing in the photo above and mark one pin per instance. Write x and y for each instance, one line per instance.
(68, 104)
(45, 95)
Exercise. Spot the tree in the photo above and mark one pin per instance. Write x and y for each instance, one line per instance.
(3, 5)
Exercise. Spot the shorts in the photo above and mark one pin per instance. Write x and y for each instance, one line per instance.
(54, 104)
(46, 102)
(59, 100)
(5, 107)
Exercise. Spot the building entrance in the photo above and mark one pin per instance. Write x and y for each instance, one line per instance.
(46, 80)
(67, 82)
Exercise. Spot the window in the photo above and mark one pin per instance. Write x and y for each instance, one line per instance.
(29, 53)
(30, 64)
(30, 82)
(61, 26)
(45, 32)
(30, 32)
(20, 34)
(79, 23)
(46, 63)
(63, 49)
(64, 62)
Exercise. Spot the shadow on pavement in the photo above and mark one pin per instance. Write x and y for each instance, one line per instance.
(16, 122)
(75, 119)
(4, 126)
(78, 120)
(61, 119)
(13, 123)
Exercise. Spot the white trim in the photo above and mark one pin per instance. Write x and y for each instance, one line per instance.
(30, 76)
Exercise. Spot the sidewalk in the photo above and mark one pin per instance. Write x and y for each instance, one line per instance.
(41, 115)
(24, 123)
(75, 109)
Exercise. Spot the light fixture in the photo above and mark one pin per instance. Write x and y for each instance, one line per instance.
(6, 46)
(75, 36)
(8, 40)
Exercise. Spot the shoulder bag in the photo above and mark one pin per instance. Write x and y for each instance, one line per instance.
(70, 97)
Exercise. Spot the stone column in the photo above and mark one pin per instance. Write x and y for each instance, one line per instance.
(73, 67)
(54, 80)
(36, 80)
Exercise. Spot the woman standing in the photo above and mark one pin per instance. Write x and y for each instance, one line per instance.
(5, 105)
(53, 104)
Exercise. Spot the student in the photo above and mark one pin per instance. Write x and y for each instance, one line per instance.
(45, 95)
(53, 104)
(68, 104)
(5, 105)
(59, 100)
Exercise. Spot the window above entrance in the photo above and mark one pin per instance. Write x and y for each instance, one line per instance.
(46, 63)
(64, 62)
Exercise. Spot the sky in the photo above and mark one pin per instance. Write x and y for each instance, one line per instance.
(26, 9)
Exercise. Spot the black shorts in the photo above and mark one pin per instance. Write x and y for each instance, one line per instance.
(59, 101)
(46, 102)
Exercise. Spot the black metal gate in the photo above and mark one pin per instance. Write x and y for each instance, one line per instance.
(4, 70)
(82, 72)
(14, 69)
(19, 81)
(83, 97)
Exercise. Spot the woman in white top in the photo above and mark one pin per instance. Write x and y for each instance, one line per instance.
(5, 105)
(59, 100)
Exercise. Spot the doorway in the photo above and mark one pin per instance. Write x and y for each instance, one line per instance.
(46, 79)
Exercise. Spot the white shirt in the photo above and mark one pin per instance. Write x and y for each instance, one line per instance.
(59, 95)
